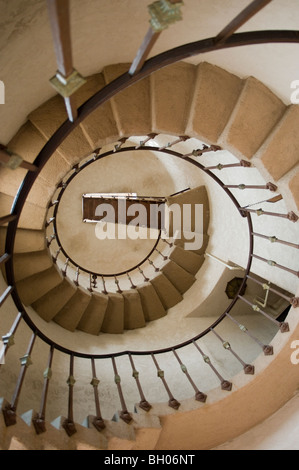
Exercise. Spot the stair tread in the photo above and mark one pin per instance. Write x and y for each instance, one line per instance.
(187, 259)
(71, 313)
(114, 317)
(166, 291)
(49, 304)
(133, 311)
(178, 276)
(132, 107)
(26, 264)
(92, 319)
(33, 287)
(151, 303)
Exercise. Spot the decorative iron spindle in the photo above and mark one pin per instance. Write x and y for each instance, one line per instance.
(200, 152)
(142, 273)
(131, 282)
(294, 301)
(117, 285)
(50, 240)
(267, 348)
(104, 286)
(124, 414)
(269, 186)
(172, 402)
(143, 142)
(153, 265)
(199, 396)
(98, 421)
(65, 267)
(248, 368)
(276, 265)
(161, 254)
(220, 166)
(143, 404)
(50, 221)
(76, 280)
(274, 239)
(6, 294)
(9, 410)
(182, 138)
(54, 258)
(39, 419)
(283, 326)
(8, 339)
(290, 215)
(225, 384)
(68, 424)
(120, 144)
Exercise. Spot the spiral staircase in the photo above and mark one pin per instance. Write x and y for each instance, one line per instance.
(197, 121)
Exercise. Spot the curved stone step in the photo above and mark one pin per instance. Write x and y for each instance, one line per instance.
(215, 96)
(33, 287)
(178, 276)
(48, 117)
(100, 127)
(151, 304)
(280, 151)
(257, 111)
(133, 311)
(27, 264)
(188, 260)
(166, 291)
(25, 241)
(71, 313)
(51, 303)
(92, 319)
(32, 216)
(172, 91)
(132, 107)
(114, 317)
(182, 240)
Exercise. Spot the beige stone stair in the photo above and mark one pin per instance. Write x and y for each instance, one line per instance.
(48, 305)
(29, 263)
(71, 313)
(166, 291)
(151, 303)
(188, 260)
(133, 311)
(92, 319)
(33, 287)
(114, 317)
(132, 107)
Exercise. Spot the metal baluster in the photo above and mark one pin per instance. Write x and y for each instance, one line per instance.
(220, 166)
(269, 186)
(142, 273)
(248, 368)
(182, 138)
(267, 348)
(50, 221)
(98, 421)
(173, 403)
(121, 142)
(205, 149)
(52, 203)
(274, 239)
(143, 142)
(68, 424)
(294, 301)
(290, 215)
(104, 286)
(199, 396)
(117, 284)
(225, 384)
(124, 414)
(6, 294)
(8, 339)
(153, 265)
(65, 267)
(161, 254)
(130, 279)
(143, 404)
(39, 419)
(54, 258)
(9, 410)
(283, 326)
(49, 240)
(76, 280)
(13, 161)
(274, 264)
